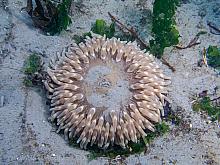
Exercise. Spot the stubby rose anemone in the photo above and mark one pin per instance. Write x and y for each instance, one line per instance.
(105, 92)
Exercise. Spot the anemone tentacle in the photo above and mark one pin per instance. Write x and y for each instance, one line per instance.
(77, 91)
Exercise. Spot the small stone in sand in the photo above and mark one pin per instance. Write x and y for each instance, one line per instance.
(2, 98)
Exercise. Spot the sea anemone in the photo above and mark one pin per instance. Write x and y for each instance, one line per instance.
(105, 92)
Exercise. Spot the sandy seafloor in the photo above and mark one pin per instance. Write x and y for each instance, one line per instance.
(26, 136)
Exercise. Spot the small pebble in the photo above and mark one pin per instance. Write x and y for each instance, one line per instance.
(1, 101)
(209, 121)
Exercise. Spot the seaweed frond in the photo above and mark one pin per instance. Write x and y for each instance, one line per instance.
(205, 105)
(99, 27)
(32, 64)
(60, 20)
(164, 30)
(32, 67)
(213, 55)
(48, 16)
(161, 129)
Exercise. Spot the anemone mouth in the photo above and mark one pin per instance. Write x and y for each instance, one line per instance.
(105, 92)
(106, 87)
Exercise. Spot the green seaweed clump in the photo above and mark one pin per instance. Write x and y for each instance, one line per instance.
(32, 64)
(31, 68)
(132, 148)
(60, 20)
(164, 31)
(213, 55)
(205, 105)
(51, 18)
(27, 82)
(161, 129)
(99, 27)
(173, 118)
